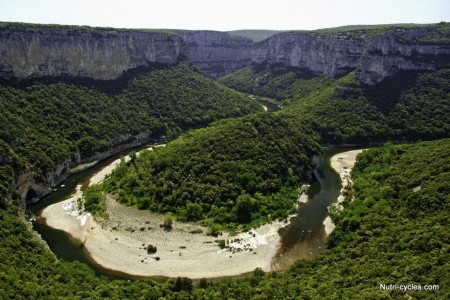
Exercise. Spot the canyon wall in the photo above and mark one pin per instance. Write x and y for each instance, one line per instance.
(216, 53)
(30, 51)
(106, 54)
(336, 54)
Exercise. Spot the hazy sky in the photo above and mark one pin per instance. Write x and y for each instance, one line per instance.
(225, 14)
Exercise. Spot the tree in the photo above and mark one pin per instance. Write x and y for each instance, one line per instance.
(167, 224)
(193, 211)
(244, 207)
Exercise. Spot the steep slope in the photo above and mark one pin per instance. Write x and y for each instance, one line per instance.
(376, 53)
(30, 51)
(48, 129)
(405, 107)
(234, 171)
(216, 53)
(390, 227)
(281, 86)
(349, 112)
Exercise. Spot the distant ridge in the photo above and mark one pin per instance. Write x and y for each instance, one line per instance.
(256, 35)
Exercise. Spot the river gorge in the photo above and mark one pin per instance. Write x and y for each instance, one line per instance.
(273, 247)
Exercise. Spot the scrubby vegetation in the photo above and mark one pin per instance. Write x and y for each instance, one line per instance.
(44, 125)
(431, 33)
(348, 112)
(17, 26)
(391, 233)
(241, 172)
(167, 224)
(234, 171)
(151, 249)
(94, 199)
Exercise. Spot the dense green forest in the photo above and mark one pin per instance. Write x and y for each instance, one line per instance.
(405, 107)
(349, 112)
(280, 86)
(44, 124)
(244, 170)
(238, 173)
(393, 232)
(234, 171)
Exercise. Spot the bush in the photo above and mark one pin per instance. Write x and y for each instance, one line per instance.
(220, 243)
(214, 231)
(151, 249)
(167, 224)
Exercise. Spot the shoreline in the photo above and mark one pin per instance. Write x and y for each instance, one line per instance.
(119, 244)
(342, 163)
(119, 241)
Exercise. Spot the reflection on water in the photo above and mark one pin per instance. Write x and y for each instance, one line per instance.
(60, 242)
(271, 106)
(305, 236)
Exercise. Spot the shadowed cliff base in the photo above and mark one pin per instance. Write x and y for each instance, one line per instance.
(110, 87)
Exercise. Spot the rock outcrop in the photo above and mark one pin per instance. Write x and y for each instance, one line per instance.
(31, 190)
(34, 51)
(105, 54)
(337, 54)
(216, 53)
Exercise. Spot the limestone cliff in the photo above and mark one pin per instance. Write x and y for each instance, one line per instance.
(216, 53)
(31, 190)
(33, 51)
(40, 50)
(337, 54)
(105, 55)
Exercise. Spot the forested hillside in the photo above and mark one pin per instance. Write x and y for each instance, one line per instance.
(247, 169)
(406, 107)
(395, 231)
(238, 167)
(417, 108)
(45, 124)
(234, 171)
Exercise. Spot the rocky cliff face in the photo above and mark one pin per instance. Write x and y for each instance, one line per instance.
(30, 190)
(330, 55)
(37, 51)
(216, 53)
(396, 50)
(106, 54)
(28, 53)
(337, 54)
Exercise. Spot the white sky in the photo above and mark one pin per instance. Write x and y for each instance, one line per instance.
(224, 14)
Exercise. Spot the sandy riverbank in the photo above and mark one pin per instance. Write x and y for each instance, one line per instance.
(342, 163)
(119, 241)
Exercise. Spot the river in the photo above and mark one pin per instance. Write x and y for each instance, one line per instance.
(305, 235)
(268, 105)
(303, 238)
(60, 242)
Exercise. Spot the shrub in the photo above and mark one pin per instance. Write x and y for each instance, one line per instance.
(151, 249)
(167, 224)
